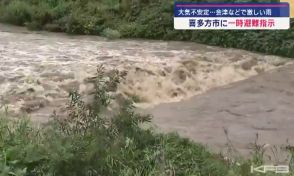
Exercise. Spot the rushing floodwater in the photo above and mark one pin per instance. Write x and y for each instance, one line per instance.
(38, 69)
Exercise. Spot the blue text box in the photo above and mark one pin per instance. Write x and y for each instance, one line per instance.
(184, 9)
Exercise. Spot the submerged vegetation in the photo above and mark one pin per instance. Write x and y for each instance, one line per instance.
(134, 19)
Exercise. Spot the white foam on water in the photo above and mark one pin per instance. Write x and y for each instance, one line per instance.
(39, 69)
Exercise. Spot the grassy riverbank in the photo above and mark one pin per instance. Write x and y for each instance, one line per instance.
(88, 143)
(134, 19)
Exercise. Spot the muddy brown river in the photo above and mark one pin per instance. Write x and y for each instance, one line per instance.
(38, 69)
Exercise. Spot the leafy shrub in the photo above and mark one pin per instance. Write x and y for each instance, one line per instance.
(79, 23)
(16, 12)
(132, 30)
(61, 9)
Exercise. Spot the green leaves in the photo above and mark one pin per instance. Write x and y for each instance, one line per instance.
(9, 168)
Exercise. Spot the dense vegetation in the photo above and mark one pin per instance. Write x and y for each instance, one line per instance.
(134, 19)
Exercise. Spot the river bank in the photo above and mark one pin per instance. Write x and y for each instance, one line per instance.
(135, 19)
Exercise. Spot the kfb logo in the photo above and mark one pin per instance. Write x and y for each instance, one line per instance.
(280, 169)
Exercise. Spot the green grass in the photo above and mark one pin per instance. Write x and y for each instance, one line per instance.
(134, 19)
(88, 143)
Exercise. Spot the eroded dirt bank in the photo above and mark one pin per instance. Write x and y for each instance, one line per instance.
(38, 69)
